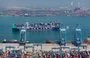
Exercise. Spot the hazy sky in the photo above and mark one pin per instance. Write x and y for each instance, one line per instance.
(44, 3)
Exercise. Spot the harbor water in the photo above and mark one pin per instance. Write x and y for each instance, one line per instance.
(41, 36)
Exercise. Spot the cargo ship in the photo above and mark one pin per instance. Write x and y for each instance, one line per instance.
(36, 26)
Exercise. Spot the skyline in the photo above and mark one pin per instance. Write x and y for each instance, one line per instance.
(44, 3)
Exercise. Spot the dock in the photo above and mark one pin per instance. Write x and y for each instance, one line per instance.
(40, 50)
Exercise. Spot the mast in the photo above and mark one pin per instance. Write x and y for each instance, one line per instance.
(27, 25)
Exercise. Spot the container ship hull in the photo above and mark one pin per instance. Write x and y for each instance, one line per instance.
(36, 26)
(15, 29)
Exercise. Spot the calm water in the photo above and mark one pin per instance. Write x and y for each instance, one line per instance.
(7, 21)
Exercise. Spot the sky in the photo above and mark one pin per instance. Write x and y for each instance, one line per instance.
(44, 3)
